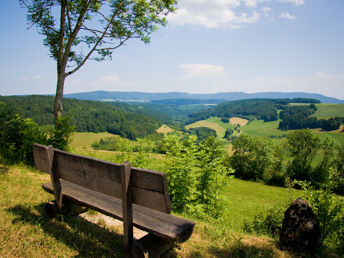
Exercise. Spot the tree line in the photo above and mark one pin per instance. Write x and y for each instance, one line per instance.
(300, 117)
(261, 109)
(300, 156)
(85, 115)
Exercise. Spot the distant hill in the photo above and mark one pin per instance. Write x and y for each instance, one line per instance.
(214, 98)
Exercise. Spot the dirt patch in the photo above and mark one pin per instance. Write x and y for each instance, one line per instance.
(164, 129)
(238, 120)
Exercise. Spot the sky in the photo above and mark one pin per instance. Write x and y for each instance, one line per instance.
(208, 46)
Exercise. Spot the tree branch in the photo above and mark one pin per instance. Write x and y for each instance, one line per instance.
(95, 46)
(75, 32)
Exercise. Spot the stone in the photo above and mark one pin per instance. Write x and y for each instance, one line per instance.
(300, 230)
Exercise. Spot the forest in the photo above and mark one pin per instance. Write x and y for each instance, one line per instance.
(86, 116)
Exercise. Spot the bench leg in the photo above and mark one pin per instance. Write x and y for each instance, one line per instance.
(150, 246)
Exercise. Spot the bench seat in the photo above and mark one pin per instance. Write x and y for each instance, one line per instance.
(163, 225)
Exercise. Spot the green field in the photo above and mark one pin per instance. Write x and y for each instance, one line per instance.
(329, 110)
(259, 128)
(85, 140)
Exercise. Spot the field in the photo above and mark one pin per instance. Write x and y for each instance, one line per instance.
(84, 140)
(164, 129)
(329, 110)
(214, 123)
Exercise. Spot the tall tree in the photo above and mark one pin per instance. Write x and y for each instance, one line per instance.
(78, 30)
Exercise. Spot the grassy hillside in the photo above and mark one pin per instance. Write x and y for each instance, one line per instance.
(329, 110)
(87, 116)
(26, 231)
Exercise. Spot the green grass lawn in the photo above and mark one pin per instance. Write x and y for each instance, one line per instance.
(329, 110)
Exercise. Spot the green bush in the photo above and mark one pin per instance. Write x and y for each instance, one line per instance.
(17, 135)
(268, 222)
(60, 136)
(195, 174)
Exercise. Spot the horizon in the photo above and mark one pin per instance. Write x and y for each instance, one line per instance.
(247, 46)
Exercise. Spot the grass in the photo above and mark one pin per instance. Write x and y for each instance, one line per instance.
(25, 230)
(164, 129)
(214, 123)
(259, 128)
(85, 140)
(329, 110)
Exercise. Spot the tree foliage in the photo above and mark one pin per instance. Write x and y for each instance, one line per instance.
(87, 116)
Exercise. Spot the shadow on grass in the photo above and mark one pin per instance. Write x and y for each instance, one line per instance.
(83, 236)
(239, 249)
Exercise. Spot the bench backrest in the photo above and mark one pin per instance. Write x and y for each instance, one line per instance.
(149, 188)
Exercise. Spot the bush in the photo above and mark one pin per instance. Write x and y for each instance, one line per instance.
(60, 136)
(268, 222)
(17, 135)
(224, 119)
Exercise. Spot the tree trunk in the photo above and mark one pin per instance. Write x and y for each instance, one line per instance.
(59, 94)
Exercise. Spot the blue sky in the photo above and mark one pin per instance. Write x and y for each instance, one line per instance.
(208, 46)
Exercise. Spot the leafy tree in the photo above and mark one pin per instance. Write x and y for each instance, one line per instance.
(212, 169)
(252, 157)
(78, 30)
(302, 146)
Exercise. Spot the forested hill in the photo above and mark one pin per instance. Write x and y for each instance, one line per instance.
(87, 116)
(261, 109)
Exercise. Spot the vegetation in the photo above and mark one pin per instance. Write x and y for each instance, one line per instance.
(261, 109)
(17, 135)
(300, 117)
(202, 133)
(87, 116)
(304, 157)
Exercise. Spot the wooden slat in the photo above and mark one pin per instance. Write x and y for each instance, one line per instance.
(127, 204)
(149, 187)
(163, 225)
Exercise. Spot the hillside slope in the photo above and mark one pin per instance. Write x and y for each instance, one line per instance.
(87, 116)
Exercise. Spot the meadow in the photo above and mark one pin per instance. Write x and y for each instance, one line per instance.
(26, 230)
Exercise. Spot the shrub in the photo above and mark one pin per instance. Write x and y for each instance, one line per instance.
(224, 119)
(17, 136)
(268, 222)
(60, 136)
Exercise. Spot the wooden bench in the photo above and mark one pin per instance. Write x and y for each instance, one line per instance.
(138, 197)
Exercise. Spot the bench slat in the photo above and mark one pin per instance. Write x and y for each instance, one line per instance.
(160, 224)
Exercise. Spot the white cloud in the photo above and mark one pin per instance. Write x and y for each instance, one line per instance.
(287, 16)
(212, 14)
(202, 70)
(223, 13)
(296, 2)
